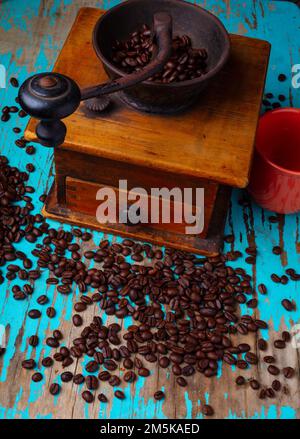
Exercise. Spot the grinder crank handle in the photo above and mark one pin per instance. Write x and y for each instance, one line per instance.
(51, 97)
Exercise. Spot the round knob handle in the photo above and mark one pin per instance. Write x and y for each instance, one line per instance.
(49, 96)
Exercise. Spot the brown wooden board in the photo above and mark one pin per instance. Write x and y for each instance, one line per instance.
(89, 171)
(81, 196)
(211, 245)
(213, 140)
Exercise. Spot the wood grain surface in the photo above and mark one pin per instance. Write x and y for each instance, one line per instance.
(31, 36)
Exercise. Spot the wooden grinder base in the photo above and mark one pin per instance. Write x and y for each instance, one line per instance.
(209, 146)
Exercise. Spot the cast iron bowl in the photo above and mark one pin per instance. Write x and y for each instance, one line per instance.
(204, 29)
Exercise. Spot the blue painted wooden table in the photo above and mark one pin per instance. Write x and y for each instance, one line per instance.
(31, 36)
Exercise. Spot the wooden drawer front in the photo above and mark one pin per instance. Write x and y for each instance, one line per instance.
(106, 172)
(81, 197)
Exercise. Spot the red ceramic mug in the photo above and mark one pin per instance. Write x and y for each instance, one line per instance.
(275, 175)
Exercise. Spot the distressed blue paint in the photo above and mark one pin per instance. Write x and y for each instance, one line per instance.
(279, 24)
(188, 405)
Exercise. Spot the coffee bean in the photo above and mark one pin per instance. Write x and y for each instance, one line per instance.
(119, 394)
(207, 410)
(114, 381)
(241, 364)
(277, 250)
(288, 305)
(273, 370)
(104, 376)
(143, 372)
(286, 336)
(282, 77)
(110, 365)
(92, 382)
(87, 396)
(229, 239)
(30, 150)
(66, 377)
(244, 347)
(36, 377)
(34, 314)
(50, 312)
(64, 289)
(181, 381)
(80, 307)
(164, 362)
(128, 363)
(129, 377)
(64, 351)
(52, 342)
(254, 384)
(262, 344)
(5, 117)
(262, 289)
(275, 278)
(54, 389)
(57, 334)
(288, 372)
(86, 236)
(240, 380)
(28, 364)
(279, 344)
(159, 395)
(102, 398)
(276, 385)
(67, 362)
(252, 303)
(270, 392)
(250, 260)
(30, 168)
(14, 82)
(78, 379)
(269, 359)
(262, 394)
(92, 366)
(266, 103)
(251, 358)
(77, 320)
(33, 340)
(42, 300)
(47, 362)
(58, 356)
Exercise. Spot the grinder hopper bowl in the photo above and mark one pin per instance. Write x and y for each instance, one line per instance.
(157, 146)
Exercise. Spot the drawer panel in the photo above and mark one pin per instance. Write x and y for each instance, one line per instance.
(81, 196)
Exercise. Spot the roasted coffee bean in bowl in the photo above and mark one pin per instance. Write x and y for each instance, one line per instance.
(186, 62)
(123, 41)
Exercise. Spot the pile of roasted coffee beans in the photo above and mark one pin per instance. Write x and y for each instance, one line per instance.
(185, 63)
(185, 309)
(16, 223)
